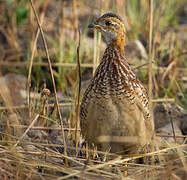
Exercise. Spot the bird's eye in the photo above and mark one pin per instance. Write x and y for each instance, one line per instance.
(107, 23)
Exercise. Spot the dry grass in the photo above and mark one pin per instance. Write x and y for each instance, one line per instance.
(37, 142)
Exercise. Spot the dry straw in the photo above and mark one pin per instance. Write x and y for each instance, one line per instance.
(52, 76)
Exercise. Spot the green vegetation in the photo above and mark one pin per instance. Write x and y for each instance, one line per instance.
(36, 155)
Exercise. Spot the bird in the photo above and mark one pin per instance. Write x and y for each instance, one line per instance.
(115, 104)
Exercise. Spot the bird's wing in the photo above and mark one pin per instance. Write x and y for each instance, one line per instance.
(143, 103)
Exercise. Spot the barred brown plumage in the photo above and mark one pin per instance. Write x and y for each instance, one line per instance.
(115, 102)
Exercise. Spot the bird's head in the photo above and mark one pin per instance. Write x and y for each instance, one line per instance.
(112, 29)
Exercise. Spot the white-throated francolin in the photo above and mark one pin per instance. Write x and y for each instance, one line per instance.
(115, 103)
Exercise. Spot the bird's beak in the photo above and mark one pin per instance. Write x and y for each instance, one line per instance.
(94, 25)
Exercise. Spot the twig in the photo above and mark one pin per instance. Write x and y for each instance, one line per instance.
(40, 128)
(79, 89)
(171, 136)
(52, 76)
(119, 160)
(24, 106)
(169, 68)
(171, 121)
(23, 64)
(94, 167)
(163, 100)
(32, 58)
(31, 125)
(137, 67)
(150, 61)
(87, 65)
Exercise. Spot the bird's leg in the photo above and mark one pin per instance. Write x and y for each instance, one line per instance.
(94, 152)
(125, 169)
(87, 152)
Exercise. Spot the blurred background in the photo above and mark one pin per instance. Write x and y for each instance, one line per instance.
(61, 21)
(25, 77)
(23, 62)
